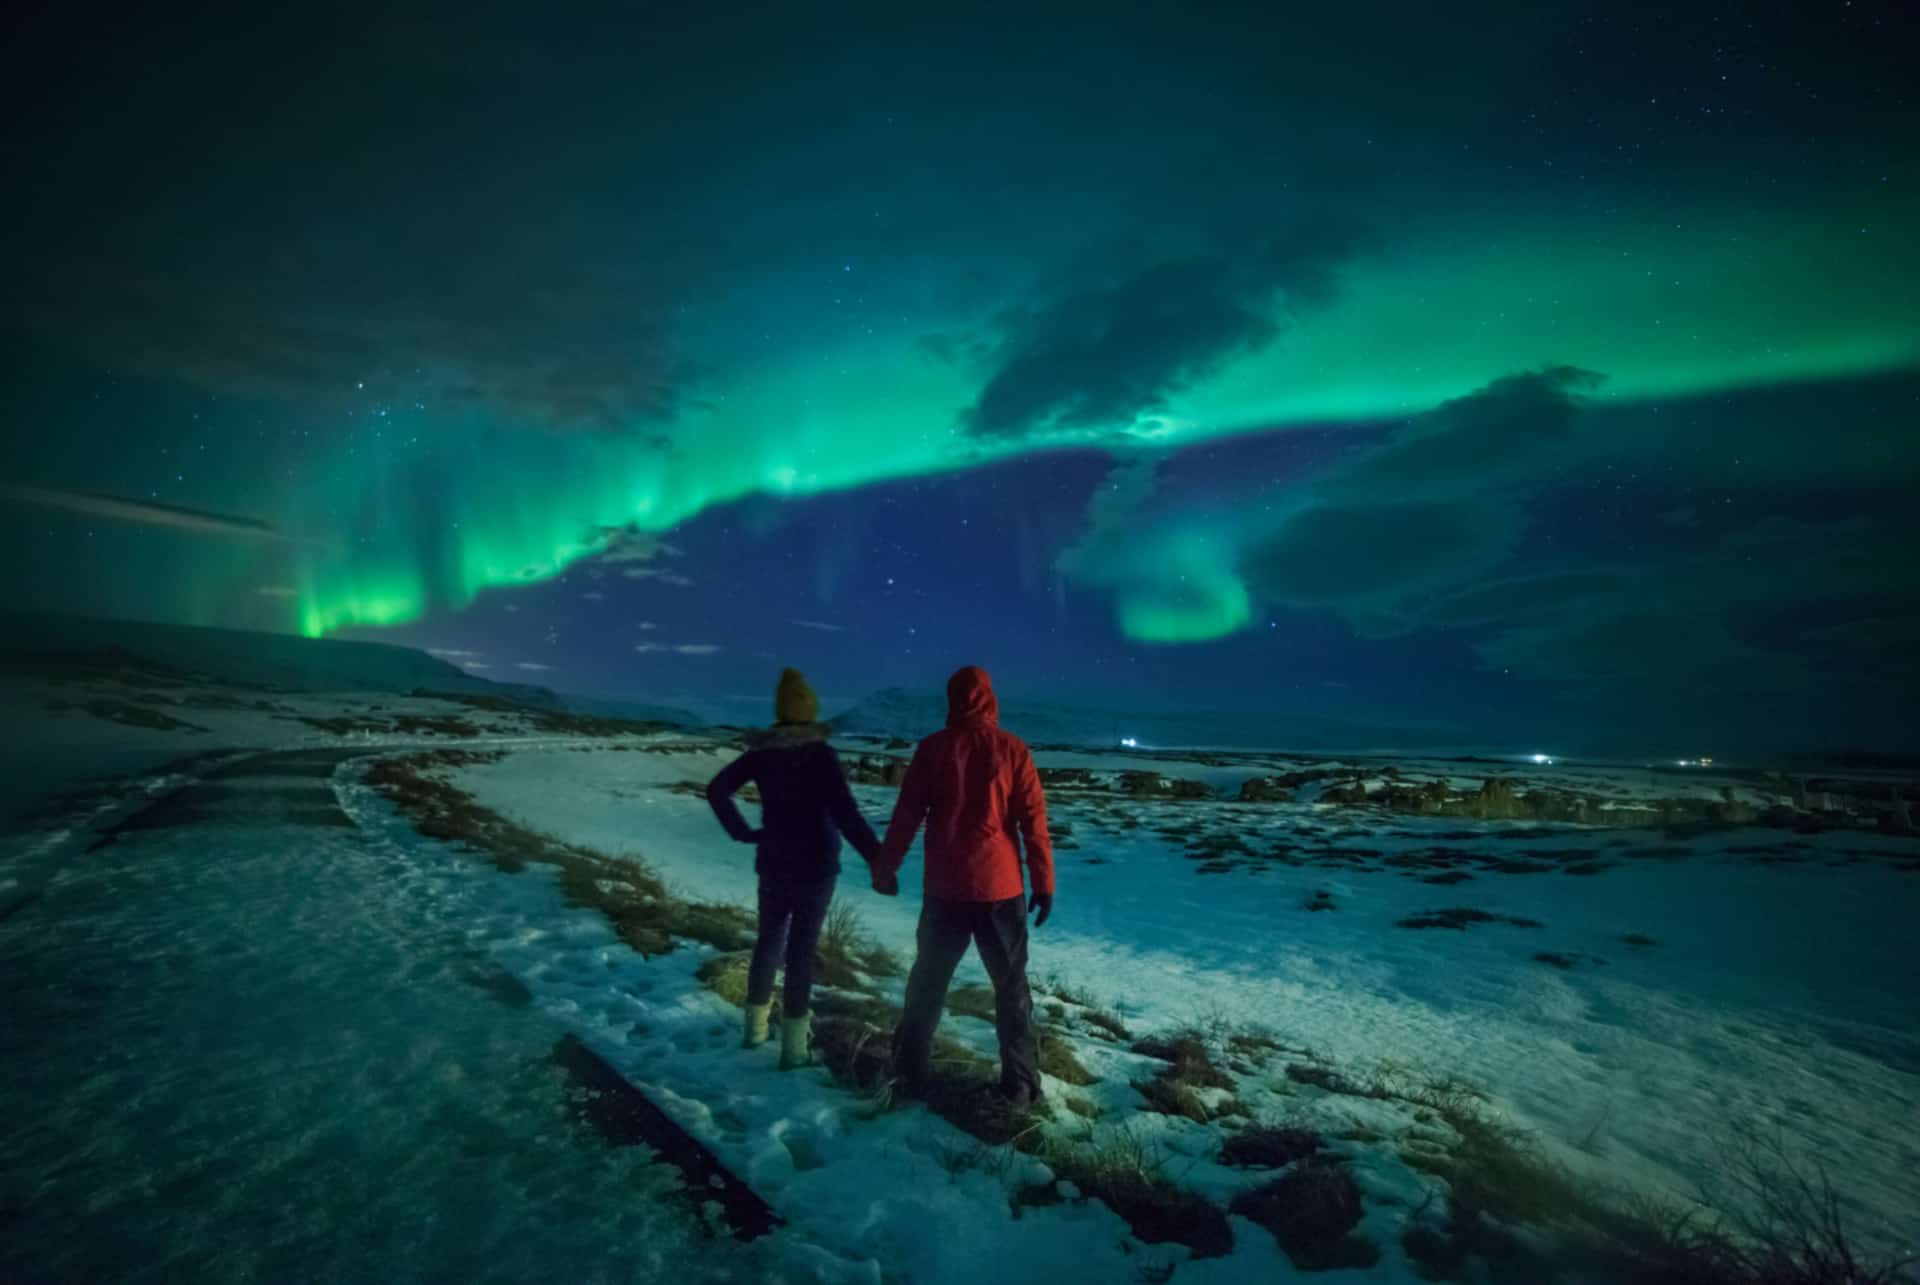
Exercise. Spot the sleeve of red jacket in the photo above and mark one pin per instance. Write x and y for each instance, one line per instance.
(908, 812)
(1031, 813)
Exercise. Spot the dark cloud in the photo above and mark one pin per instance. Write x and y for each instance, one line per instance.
(1491, 438)
(1101, 353)
(1712, 587)
(1362, 553)
(147, 513)
(1644, 661)
(1425, 510)
(460, 324)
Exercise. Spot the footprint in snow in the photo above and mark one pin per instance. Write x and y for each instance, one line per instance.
(800, 1144)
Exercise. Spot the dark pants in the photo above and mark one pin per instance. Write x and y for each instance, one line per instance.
(790, 919)
(999, 929)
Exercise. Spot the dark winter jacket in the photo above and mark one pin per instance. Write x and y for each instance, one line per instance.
(976, 788)
(805, 805)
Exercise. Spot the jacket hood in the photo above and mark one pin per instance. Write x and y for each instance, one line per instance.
(970, 698)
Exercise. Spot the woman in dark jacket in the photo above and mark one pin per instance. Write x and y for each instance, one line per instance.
(805, 807)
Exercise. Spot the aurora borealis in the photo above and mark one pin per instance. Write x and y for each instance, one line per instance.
(1502, 368)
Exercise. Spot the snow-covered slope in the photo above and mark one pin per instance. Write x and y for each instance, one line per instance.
(37, 643)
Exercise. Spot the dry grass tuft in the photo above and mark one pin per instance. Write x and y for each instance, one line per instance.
(971, 1000)
(847, 950)
(630, 895)
(1269, 1146)
(1057, 1059)
(1312, 1212)
(1124, 1172)
(1168, 1094)
(1771, 1223)
(1192, 1060)
(1106, 1023)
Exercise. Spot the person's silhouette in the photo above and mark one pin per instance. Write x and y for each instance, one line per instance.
(805, 807)
(979, 793)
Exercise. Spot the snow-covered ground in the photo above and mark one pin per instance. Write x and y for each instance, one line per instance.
(1777, 995)
(254, 1051)
(243, 1035)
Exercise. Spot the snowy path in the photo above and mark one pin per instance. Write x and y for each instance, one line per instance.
(247, 1041)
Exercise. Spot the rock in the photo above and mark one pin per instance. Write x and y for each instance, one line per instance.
(875, 769)
(1429, 799)
(1152, 785)
(1555, 805)
(1264, 789)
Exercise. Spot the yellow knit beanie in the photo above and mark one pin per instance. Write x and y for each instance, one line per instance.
(793, 700)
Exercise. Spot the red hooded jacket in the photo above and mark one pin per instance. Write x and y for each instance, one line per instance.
(976, 788)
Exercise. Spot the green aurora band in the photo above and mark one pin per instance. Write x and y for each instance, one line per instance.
(1661, 307)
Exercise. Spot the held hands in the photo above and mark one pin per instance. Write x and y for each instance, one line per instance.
(1041, 904)
(887, 885)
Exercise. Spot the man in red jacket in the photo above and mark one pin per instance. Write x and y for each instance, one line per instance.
(976, 788)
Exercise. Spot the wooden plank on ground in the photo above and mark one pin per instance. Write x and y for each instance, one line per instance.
(625, 1116)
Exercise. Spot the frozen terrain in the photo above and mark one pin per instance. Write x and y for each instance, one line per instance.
(261, 1026)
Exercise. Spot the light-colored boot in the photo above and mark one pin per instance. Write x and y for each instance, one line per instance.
(754, 1033)
(796, 1042)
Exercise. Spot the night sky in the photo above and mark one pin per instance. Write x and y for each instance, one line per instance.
(1546, 371)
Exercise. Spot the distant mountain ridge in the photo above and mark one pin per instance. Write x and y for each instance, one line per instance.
(285, 662)
(911, 713)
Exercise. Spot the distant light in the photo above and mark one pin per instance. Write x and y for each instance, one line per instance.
(1542, 758)
(1129, 743)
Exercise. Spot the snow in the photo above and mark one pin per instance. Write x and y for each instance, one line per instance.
(319, 985)
(1776, 995)
(256, 1056)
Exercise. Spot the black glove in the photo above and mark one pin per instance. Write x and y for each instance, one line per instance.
(1041, 904)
